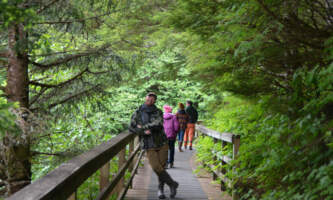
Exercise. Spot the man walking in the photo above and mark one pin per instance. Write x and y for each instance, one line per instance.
(193, 118)
(147, 122)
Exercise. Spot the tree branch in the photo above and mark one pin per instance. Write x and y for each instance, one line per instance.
(44, 85)
(55, 53)
(33, 153)
(47, 86)
(42, 78)
(97, 73)
(72, 97)
(74, 21)
(131, 43)
(294, 23)
(58, 22)
(276, 83)
(88, 123)
(271, 13)
(69, 58)
(36, 97)
(47, 6)
(312, 17)
(328, 10)
(280, 76)
(42, 136)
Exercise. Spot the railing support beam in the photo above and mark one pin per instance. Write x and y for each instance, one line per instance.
(121, 162)
(62, 182)
(223, 171)
(130, 168)
(104, 176)
(224, 137)
(236, 144)
(214, 159)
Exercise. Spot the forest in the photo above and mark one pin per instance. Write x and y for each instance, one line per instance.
(72, 73)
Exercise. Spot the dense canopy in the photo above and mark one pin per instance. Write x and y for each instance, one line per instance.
(72, 72)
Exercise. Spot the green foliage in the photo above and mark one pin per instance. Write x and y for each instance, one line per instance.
(282, 156)
(270, 57)
(262, 69)
(239, 115)
(90, 188)
(7, 118)
(81, 126)
(251, 47)
(10, 13)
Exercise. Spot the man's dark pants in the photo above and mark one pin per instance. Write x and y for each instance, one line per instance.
(158, 158)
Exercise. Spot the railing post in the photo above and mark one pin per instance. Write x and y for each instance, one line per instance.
(104, 176)
(236, 144)
(130, 168)
(136, 143)
(121, 162)
(200, 133)
(223, 171)
(72, 197)
(214, 159)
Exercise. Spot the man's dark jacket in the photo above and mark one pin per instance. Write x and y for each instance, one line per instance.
(192, 113)
(150, 118)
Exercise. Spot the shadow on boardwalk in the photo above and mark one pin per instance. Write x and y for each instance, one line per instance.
(191, 187)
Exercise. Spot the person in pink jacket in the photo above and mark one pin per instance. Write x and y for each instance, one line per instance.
(171, 127)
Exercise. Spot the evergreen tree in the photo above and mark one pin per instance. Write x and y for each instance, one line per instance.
(52, 53)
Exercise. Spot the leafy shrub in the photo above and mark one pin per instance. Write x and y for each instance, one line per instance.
(286, 153)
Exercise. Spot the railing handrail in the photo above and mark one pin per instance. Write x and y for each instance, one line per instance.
(227, 137)
(224, 137)
(122, 169)
(64, 180)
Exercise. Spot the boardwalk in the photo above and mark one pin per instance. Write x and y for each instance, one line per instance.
(145, 182)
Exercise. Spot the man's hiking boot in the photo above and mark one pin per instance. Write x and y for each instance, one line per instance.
(190, 147)
(173, 189)
(173, 185)
(160, 192)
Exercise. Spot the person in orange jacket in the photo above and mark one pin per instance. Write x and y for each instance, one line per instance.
(190, 129)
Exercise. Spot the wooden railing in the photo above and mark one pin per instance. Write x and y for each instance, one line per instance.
(224, 138)
(62, 183)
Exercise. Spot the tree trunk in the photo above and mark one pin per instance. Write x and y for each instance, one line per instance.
(15, 166)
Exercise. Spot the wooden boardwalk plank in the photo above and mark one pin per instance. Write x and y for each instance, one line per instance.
(141, 183)
(189, 186)
(145, 182)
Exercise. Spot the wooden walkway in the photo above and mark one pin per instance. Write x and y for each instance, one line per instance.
(190, 187)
